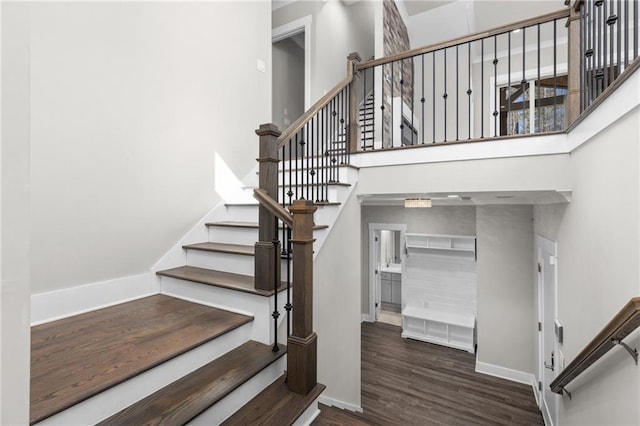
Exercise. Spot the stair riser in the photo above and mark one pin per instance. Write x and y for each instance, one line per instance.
(233, 235)
(243, 394)
(259, 307)
(109, 402)
(225, 262)
(243, 213)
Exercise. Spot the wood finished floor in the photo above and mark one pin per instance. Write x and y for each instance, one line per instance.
(406, 382)
(75, 358)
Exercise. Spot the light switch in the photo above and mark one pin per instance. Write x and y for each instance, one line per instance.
(261, 66)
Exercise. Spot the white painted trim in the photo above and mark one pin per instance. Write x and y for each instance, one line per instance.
(290, 29)
(58, 304)
(365, 318)
(505, 373)
(309, 415)
(340, 404)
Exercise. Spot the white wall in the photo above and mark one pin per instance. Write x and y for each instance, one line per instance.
(505, 320)
(14, 291)
(337, 309)
(436, 220)
(598, 236)
(135, 109)
(336, 31)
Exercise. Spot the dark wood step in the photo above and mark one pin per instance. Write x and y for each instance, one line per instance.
(251, 225)
(222, 248)
(189, 396)
(78, 357)
(275, 405)
(243, 283)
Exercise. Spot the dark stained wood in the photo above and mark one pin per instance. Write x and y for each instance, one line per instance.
(275, 406)
(272, 206)
(353, 129)
(222, 248)
(244, 283)
(186, 398)
(75, 358)
(267, 265)
(302, 359)
(407, 382)
(620, 326)
(564, 13)
(332, 416)
(230, 224)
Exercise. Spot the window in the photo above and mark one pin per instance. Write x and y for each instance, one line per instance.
(518, 111)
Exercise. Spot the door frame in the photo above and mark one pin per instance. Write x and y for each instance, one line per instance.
(302, 25)
(374, 279)
(546, 245)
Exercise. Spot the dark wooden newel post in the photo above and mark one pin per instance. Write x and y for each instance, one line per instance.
(265, 270)
(353, 131)
(302, 344)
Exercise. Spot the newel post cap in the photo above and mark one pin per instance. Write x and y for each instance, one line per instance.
(354, 56)
(268, 129)
(303, 206)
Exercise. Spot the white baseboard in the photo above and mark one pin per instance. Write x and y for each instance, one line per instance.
(505, 373)
(365, 318)
(58, 304)
(340, 404)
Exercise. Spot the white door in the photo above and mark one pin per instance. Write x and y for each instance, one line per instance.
(549, 366)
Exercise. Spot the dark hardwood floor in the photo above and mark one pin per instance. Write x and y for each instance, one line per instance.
(406, 382)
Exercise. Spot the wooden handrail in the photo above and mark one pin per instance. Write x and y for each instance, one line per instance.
(272, 205)
(625, 322)
(311, 112)
(466, 39)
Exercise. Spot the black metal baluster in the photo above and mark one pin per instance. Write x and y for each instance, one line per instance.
(401, 102)
(495, 86)
(582, 64)
(422, 99)
(445, 95)
(282, 172)
(594, 52)
(363, 141)
(635, 29)
(600, 66)
(555, 79)
(290, 184)
(313, 142)
(392, 106)
(611, 20)
(481, 88)
(619, 39)
(457, 95)
(508, 94)
(524, 79)
(382, 120)
(334, 134)
(288, 306)
(297, 172)
(605, 72)
(539, 101)
(413, 99)
(433, 56)
(325, 151)
(469, 91)
(306, 174)
(275, 313)
(626, 34)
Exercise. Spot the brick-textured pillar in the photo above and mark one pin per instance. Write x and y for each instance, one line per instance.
(266, 270)
(302, 344)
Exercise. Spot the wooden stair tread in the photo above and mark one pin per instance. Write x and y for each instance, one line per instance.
(244, 283)
(333, 416)
(275, 405)
(222, 248)
(252, 225)
(187, 397)
(75, 358)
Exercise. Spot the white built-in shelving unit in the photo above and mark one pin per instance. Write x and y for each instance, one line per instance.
(439, 290)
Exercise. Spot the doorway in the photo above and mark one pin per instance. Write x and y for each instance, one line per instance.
(386, 266)
(290, 71)
(550, 358)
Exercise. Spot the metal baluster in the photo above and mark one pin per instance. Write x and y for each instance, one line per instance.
(457, 95)
(524, 80)
(382, 107)
(307, 143)
(611, 20)
(392, 106)
(495, 86)
(598, 52)
(281, 172)
(539, 118)
(469, 91)
(314, 141)
(635, 29)
(363, 141)
(413, 99)
(508, 94)
(422, 99)
(290, 191)
(555, 79)
(604, 43)
(288, 306)
(401, 102)
(619, 39)
(297, 172)
(626, 34)
(275, 313)
(481, 88)
(433, 56)
(582, 64)
(594, 54)
(445, 95)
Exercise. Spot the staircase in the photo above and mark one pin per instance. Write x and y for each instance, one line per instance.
(195, 353)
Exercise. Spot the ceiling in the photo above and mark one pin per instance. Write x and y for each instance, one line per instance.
(472, 198)
(415, 7)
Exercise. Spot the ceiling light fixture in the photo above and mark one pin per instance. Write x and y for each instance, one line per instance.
(417, 203)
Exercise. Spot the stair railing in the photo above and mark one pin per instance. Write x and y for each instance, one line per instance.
(613, 334)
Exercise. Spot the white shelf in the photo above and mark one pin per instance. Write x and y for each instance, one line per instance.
(453, 329)
(451, 243)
